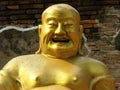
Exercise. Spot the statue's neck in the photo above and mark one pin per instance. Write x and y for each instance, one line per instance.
(59, 56)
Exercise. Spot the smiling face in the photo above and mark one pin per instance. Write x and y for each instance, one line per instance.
(60, 33)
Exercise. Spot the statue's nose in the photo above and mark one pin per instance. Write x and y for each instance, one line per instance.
(60, 29)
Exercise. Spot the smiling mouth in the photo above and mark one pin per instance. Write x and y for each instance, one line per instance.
(60, 40)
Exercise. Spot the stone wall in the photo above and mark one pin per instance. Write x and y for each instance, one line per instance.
(98, 21)
(104, 49)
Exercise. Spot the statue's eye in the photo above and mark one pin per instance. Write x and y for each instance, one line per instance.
(52, 24)
(68, 25)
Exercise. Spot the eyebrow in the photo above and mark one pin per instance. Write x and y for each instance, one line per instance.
(51, 18)
(56, 19)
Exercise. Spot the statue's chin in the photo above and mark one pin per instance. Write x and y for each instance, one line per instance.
(60, 49)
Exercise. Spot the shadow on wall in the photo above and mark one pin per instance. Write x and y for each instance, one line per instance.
(14, 43)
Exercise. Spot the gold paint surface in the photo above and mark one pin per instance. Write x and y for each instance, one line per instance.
(57, 64)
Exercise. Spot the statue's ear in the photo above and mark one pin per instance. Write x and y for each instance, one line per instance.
(81, 29)
(39, 33)
(39, 29)
(82, 42)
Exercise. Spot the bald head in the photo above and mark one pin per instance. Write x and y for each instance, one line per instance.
(61, 8)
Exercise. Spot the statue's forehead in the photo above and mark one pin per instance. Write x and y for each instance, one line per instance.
(60, 6)
(58, 13)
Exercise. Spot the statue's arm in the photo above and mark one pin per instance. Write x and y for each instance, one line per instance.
(105, 82)
(7, 82)
(8, 76)
(102, 78)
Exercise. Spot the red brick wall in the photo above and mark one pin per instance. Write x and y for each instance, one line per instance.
(29, 11)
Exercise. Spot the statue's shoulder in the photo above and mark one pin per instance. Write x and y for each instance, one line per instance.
(27, 57)
(92, 61)
(16, 61)
(95, 67)
(89, 61)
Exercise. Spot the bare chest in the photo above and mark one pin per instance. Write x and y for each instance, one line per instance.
(39, 74)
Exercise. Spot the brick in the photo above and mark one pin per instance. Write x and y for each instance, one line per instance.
(54, 1)
(4, 13)
(74, 4)
(96, 25)
(37, 1)
(25, 2)
(48, 4)
(11, 2)
(11, 12)
(32, 11)
(37, 6)
(87, 25)
(88, 21)
(87, 8)
(4, 23)
(3, 18)
(85, 17)
(107, 2)
(32, 6)
(3, 7)
(38, 16)
(17, 17)
(3, 3)
(93, 17)
(25, 21)
(13, 7)
(88, 12)
(112, 2)
(16, 12)
(88, 3)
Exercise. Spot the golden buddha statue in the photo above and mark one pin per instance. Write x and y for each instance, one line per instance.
(57, 65)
